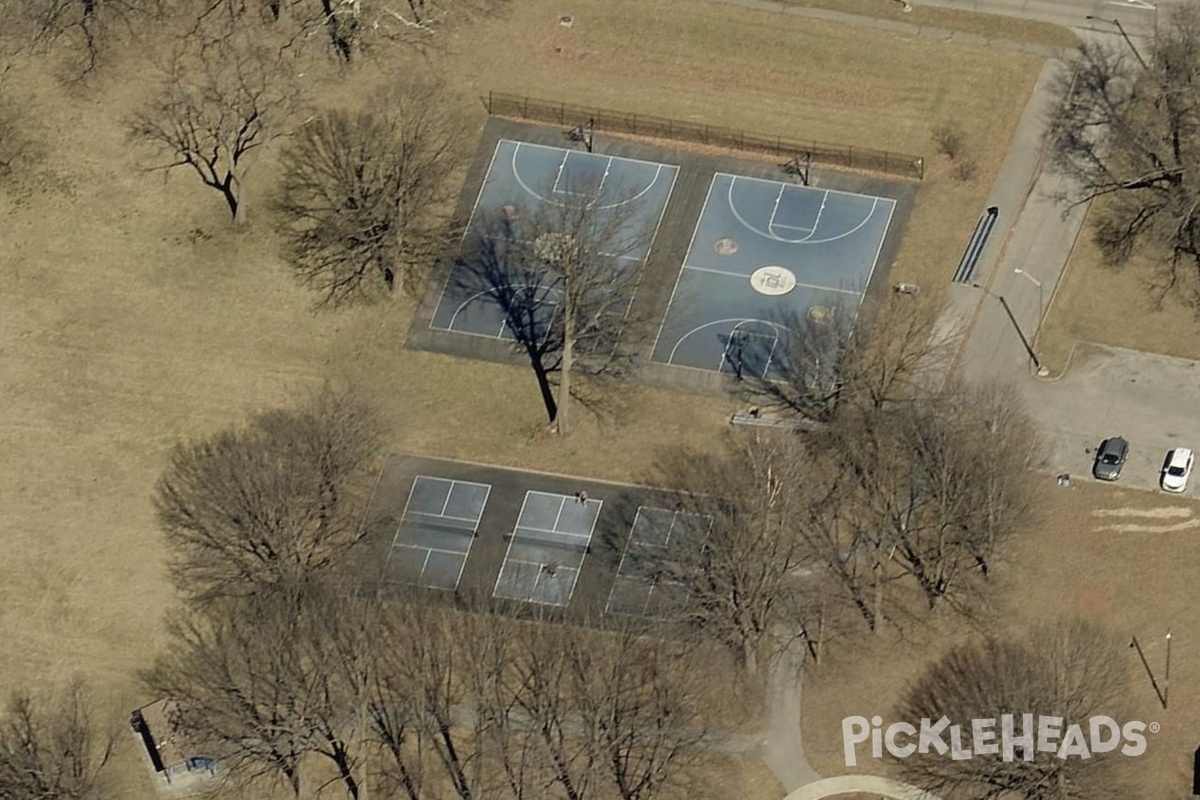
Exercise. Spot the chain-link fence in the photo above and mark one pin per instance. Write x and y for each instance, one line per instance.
(511, 105)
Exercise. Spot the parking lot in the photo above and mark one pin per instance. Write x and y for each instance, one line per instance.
(1151, 400)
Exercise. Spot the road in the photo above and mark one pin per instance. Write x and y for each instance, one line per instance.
(1137, 16)
(1150, 399)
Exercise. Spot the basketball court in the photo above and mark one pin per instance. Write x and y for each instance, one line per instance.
(527, 181)
(766, 255)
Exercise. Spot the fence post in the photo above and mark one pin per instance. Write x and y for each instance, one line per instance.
(921, 168)
(525, 107)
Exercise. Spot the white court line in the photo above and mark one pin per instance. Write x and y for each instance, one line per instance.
(557, 176)
(462, 307)
(536, 146)
(562, 502)
(733, 332)
(821, 211)
(698, 328)
(780, 225)
(812, 286)
(875, 263)
(807, 239)
(774, 208)
(516, 174)
(798, 188)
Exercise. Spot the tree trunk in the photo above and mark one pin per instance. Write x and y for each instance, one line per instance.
(877, 611)
(231, 191)
(543, 379)
(568, 359)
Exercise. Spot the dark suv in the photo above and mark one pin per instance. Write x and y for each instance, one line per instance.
(1110, 457)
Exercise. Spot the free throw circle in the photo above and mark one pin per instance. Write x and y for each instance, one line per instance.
(773, 280)
(725, 246)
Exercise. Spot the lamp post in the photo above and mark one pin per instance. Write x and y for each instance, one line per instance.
(1041, 298)
(1125, 35)
(1167, 673)
(1037, 362)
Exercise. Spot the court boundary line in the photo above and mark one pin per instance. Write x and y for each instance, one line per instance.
(887, 227)
(807, 240)
(828, 191)
(679, 277)
(504, 321)
(774, 344)
(516, 175)
(466, 231)
(717, 322)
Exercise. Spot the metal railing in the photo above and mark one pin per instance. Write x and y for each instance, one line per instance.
(864, 158)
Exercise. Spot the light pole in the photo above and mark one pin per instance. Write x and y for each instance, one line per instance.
(1125, 35)
(1041, 298)
(1167, 674)
(1037, 362)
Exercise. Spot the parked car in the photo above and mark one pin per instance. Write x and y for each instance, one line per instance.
(1110, 457)
(1177, 469)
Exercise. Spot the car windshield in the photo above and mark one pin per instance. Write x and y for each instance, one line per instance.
(1176, 471)
(1110, 458)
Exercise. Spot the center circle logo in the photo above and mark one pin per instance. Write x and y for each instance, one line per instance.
(773, 280)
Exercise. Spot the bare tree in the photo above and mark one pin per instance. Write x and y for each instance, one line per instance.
(364, 195)
(85, 29)
(224, 95)
(1127, 131)
(357, 25)
(925, 492)
(745, 579)
(565, 277)
(53, 746)
(837, 360)
(277, 502)
(1073, 670)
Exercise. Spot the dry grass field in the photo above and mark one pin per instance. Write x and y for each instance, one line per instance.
(1097, 302)
(1123, 558)
(132, 315)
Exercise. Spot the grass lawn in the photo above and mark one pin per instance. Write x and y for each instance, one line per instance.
(1124, 558)
(1100, 303)
(133, 316)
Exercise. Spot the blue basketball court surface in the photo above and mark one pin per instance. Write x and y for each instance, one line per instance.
(766, 255)
(525, 180)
